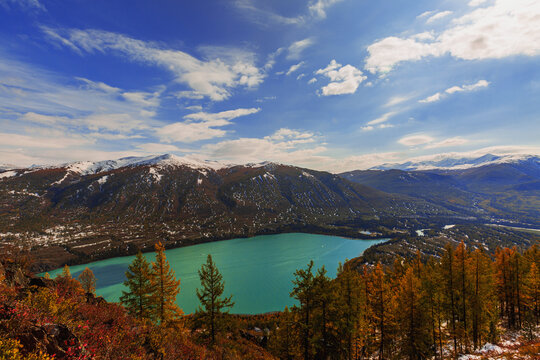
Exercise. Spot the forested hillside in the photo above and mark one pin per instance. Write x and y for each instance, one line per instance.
(464, 302)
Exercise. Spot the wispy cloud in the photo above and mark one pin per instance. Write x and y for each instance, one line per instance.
(438, 16)
(201, 126)
(450, 142)
(294, 67)
(213, 78)
(454, 89)
(415, 140)
(294, 51)
(382, 118)
(318, 8)
(24, 4)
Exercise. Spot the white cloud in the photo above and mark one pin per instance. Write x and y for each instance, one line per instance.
(142, 98)
(189, 132)
(432, 98)
(318, 7)
(157, 148)
(285, 146)
(438, 16)
(201, 126)
(214, 78)
(474, 3)
(294, 67)
(98, 85)
(425, 14)
(294, 51)
(414, 140)
(506, 28)
(24, 4)
(367, 128)
(39, 142)
(258, 12)
(454, 89)
(271, 61)
(312, 80)
(194, 107)
(455, 141)
(396, 100)
(343, 79)
(382, 118)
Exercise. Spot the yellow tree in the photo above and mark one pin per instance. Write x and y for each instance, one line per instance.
(412, 319)
(532, 295)
(88, 281)
(165, 288)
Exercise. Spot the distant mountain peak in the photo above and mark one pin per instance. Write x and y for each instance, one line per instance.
(456, 162)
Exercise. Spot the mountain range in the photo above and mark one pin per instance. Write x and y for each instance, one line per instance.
(86, 210)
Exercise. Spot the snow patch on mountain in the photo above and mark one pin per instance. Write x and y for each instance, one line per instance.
(102, 180)
(7, 174)
(160, 162)
(156, 176)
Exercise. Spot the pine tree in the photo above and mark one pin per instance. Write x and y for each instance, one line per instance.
(213, 305)
(165, 288)
(349, 298)
(88, 281)
(138, 281)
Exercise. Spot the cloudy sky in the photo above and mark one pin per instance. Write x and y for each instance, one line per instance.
(326, 84)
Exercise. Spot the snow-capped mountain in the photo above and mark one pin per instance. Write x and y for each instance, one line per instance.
(450, 162)
(110, 207)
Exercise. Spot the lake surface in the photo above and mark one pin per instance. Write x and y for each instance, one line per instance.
(257, 271)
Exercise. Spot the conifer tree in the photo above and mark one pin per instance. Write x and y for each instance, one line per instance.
(88, 281)
(213, 306)
(137, 299)
(349, 298)
(165, 288)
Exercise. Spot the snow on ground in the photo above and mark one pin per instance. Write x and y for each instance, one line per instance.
(7, 174)
(102, 180)
(446, 227)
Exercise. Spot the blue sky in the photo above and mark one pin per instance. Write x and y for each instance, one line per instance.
(326, 84)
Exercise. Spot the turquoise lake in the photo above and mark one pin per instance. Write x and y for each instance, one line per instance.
(257, 271)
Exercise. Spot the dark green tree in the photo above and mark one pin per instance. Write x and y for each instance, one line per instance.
(137, 299)
(213, 306)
